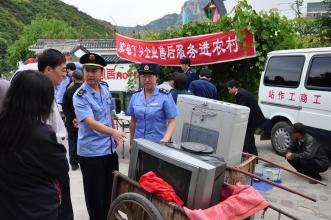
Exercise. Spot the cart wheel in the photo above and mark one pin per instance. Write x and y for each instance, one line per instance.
(133, 206)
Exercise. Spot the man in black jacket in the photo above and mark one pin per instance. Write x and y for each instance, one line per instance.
(185, 65)
(69, 112)
(305, 154)
(256, 117)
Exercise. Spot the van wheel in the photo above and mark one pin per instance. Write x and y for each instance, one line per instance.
(281, 137)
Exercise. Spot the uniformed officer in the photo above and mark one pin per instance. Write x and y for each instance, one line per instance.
(61, 89)
(203, 87)
(185, 64)
(152, 110)
(96, 136)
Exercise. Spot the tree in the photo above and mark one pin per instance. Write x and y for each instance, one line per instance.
(271, 32)
(40, 28)
(324, 23)
(4, 65)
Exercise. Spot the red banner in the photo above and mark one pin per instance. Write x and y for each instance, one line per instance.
(202, 49)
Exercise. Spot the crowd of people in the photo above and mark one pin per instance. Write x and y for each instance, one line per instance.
(34, 180)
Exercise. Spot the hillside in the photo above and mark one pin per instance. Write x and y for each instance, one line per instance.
(15, 14)
(160, 24)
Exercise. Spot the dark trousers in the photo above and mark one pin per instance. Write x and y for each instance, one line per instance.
(98, 182)
(72, 142)
(307, 167)
(249, 143)
(65, 209)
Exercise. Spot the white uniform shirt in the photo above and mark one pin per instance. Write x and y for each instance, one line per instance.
(56, 122)
(165, 85)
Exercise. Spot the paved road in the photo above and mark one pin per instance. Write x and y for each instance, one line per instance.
(296, 205)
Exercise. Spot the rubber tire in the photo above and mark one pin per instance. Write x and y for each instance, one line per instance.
(281, 127)
(148, 205)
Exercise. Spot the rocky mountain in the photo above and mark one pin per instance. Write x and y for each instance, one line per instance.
(192, 10)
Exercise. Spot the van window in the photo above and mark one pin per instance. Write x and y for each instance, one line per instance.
(284, 71)
(319, 73)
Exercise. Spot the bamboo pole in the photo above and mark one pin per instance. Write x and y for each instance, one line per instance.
(284, 168)
(283, 212)
(270, 182)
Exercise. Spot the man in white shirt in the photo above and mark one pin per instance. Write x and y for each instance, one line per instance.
(53, 64)
(168, 83)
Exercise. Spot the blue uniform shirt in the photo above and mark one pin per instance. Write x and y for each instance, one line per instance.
(203, 88)
(61, 89)
(152, 115)
(87, 102)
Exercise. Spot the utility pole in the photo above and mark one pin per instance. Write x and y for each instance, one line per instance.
(114, 26)
(296, 8)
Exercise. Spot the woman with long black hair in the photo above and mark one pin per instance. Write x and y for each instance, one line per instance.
(30, 157)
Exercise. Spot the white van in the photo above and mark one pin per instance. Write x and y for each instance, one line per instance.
(296, 87)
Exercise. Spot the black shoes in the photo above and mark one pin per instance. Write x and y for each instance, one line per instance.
(312, 182)
(74, 166)
(264, 136)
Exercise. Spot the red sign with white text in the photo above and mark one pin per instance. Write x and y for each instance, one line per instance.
(291, 96)
(202, 49)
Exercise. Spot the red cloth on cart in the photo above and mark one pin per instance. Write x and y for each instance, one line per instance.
(153, 184)
(239, 202)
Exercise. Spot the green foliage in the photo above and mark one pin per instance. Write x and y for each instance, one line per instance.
(324, 24)
(4, 66)
(25, 11)
(131, 83)
(271, 32)
(39, 29)
(10, 28)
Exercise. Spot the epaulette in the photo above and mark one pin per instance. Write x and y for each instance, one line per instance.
(162, 90)
(139, 90)
(81, 92)
(104, 83)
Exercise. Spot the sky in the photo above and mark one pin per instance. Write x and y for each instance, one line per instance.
(140, 12)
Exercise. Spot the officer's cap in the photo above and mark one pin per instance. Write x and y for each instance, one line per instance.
(92, 60)
(149, 68)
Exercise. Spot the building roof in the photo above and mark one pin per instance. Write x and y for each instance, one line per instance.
(316, 7)
(114, 59)
(90, 44)
(106, 47)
